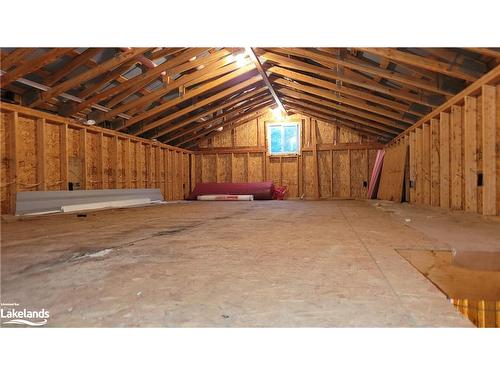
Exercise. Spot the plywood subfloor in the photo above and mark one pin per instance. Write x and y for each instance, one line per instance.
(224, 264)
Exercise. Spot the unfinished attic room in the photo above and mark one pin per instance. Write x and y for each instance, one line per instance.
(250, 187)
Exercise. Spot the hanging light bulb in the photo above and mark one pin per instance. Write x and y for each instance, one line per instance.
(278, 113)
(240, 60)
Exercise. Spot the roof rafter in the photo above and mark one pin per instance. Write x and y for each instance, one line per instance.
(343, 108)
(139, 81)
(305, 105)
(188, 95)
(241, 118)
(83, 77)
(209, 111)
(348, 113)
(33, 65)
(15, 57)
(422, 62)
(332, 61)
(252, 102)
(71, 66)
(263, 73)
(165, 120)
(339, 122)
(352, 78)
(374, 111)
(157, 94)
(356, 94)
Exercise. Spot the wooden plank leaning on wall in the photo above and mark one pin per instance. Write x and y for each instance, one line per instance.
(468, 172)
(41, 151)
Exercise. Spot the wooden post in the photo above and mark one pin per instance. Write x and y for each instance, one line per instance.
(232, 167)
(216, 167)
(470, 155)
(349, 155)
(100, 160)
(172, 175)
(413, 166)
(148, 174)
(456, 157)
(489, 118)
(114, 161)
(169, 174)
(126, 164)
(138, 163)
(192, 164)
(157, 167)
(314, 141)
(83, 150)
(183, 174)
(166, 168)
(265, 155)
(434, 199)
(281, 170)
(247, 166)
(331, 170)
(426, 163)
(444, 160)
(418, 156)
(497, 313)
(41, 154)
(481, 313)
(13, 121)
(64, 162)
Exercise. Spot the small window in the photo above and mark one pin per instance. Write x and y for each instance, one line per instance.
(283, 139)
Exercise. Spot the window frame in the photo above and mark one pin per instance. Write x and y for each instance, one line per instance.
(282, 124)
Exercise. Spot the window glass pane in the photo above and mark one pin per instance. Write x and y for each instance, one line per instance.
(276, 139)
(290, 139)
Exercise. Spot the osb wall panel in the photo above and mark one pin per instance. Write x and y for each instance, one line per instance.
(224, 168)
(246, 135)
(274, 170)
(359, 172)
(26, 154)
(108, 164)
(5, 178)
(186, 176)
(255, 167)
(120, 164)
(239, 167)
(93, 160)
(208, 167)
(134, 170)
(454, 153)
(289, 173)
(322, 170)
(75, 157)
(393, 172)
(342, 174)
(52, 159)
(325, 173)
(40, 151)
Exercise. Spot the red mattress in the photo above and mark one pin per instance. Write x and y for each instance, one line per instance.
(259, 190)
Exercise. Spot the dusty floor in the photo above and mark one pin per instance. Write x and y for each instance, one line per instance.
(232, 264)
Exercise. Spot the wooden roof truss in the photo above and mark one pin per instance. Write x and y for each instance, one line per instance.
(182, 96)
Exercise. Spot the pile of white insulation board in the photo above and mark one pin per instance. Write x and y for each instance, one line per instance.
(225, 197)
(45, 202)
